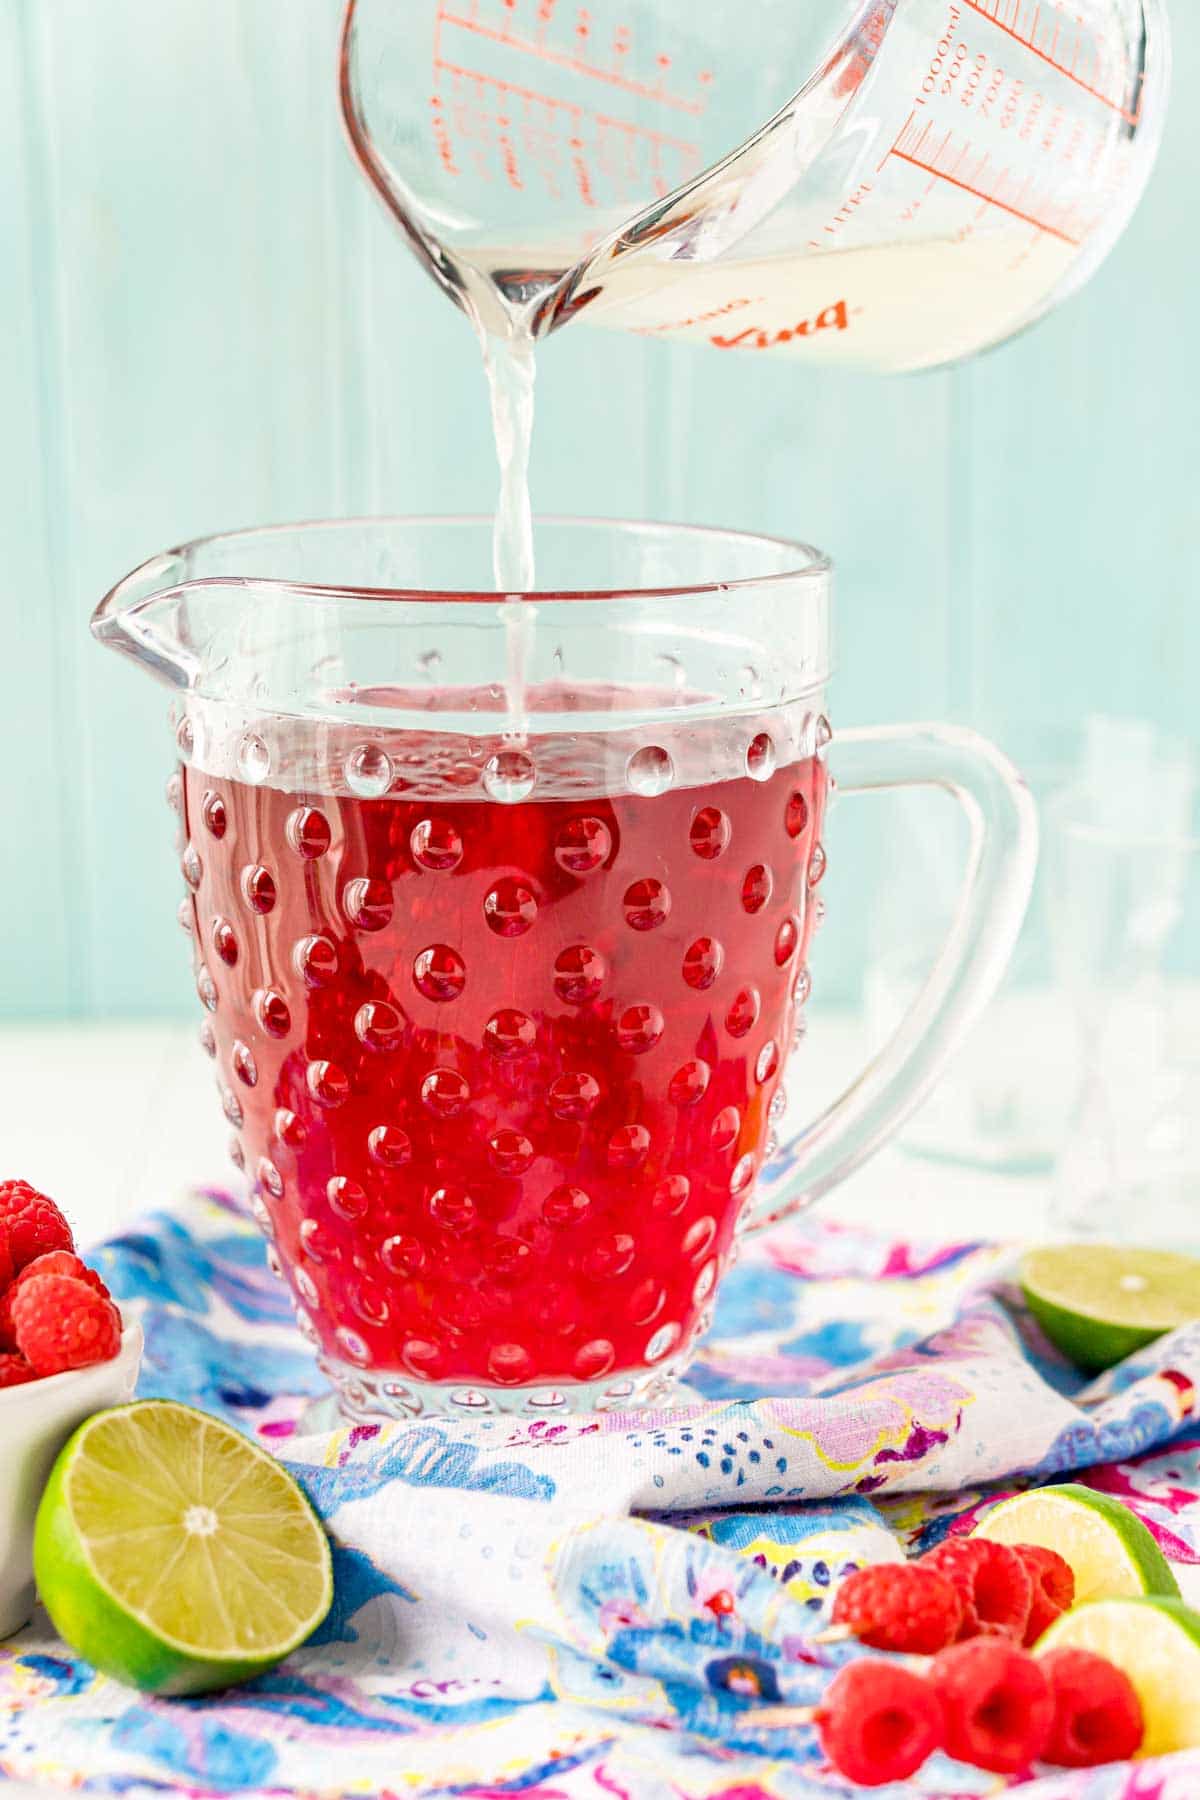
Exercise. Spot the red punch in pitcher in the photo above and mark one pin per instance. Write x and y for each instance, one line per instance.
(501, 912)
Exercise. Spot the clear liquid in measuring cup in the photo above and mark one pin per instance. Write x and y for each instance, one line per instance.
(510, 367)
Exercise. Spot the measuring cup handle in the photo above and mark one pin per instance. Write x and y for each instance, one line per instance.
(991, 906)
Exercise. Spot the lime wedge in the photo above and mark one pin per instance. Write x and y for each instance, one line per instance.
(1100, 1302)
(176, 1555)
(1157, 1643)
(1109, 1549)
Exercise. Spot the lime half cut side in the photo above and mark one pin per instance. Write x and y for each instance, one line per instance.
(1109, 1549)
(1098, 1303)
(1157, 1643)
(175, 1554)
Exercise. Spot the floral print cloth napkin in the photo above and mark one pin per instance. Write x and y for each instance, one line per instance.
(600, 1607)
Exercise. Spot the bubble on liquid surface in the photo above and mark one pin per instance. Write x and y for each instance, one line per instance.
(760, 757)
(308, 832)
(582, 845)
(379, 1025)
(436, 845)
(757, 888)
(271, 1011)
(369, 771)
(258, 888)
(703, 962)
(650, 770)
(367, 903)
(573, 1095)
(439, 973)
(510, 908)
(253, 758)
(647, 904)
(639, 1029)
(509, 776)
(316, 960)
(579, 973)
(710, 833)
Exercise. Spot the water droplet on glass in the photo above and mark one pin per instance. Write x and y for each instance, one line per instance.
(610, 1256)
(757, 888)
(390, 1146)
(710, 833)
(689, 1083)
(650, 770)
(367, 903)
(816, 866)
(328, 1083)
(347, 1198)
(510, 1364)
(193, 868)
(795, 816)
(510, 1152)
(566, 1206)
(445, 1092)
(705, 1282)
(183, 913)
(379, 1025)
(271, 1011)
(509, 1033)
(594, 1359)
(628, 1146)
(185, 739)
(824, 732)
(225, 942)
(573, 1095)
(698, 1238)
(802, 986)
(290, 1128)
(509, 775)
(671, 1194)
(778, 1104)
(647, 904)
(452, 1208)
(316, 960)
(206, 987)
(743, 1014)
(258, 888)
(664, 1339)
(369, 771)
(703, 962)
(579, 974)
(175, 792)
(768, 1061)
(270, 1177)
(208, 1039)
(743, 1175)
(244, 1065)
(639, 1028)
(725, 1128)
(231, 1106)
(786, 940)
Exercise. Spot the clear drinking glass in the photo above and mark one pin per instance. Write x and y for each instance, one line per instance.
(1123, 873)
(501, 911)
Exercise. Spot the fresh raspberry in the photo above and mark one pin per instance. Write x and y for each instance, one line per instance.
(1097, 1714)
(1053, 1581)
(992, 1582)
(13, 1371)
(997, 1704)
(54, 1262)
(6, 1262)
(899, 1606)
(62, 1324)
(35, 1224)
(878, 1722)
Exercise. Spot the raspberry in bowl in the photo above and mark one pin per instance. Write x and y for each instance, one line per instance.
(64, 1354)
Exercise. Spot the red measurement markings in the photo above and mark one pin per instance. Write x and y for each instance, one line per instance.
(1013, 25)
(576, 64)
(958, 169)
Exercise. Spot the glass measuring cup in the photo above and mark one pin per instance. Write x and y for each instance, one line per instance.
(892, 184)
(500, 1022)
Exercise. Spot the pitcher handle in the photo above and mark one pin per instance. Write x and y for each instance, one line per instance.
(972, 962)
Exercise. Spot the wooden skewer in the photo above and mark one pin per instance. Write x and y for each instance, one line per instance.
(778, 1718)
(832, 1634)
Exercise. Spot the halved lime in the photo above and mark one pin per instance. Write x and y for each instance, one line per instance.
(1157, 1643)
(173, 1553)
(1109, 1549)
(1100, 1302)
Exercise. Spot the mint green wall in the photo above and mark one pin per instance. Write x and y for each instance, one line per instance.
(205, 323)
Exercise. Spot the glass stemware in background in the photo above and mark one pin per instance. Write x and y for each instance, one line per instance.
(1122, 880)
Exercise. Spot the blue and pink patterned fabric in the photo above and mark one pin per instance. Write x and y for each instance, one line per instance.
(598, 1608)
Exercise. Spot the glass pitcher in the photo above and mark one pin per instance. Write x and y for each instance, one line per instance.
(886, 183)
(500, 1003)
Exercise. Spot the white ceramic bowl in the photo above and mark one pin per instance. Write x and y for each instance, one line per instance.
(36, 1419)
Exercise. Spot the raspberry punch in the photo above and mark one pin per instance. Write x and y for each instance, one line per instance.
(501, 910)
